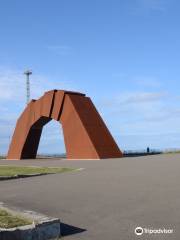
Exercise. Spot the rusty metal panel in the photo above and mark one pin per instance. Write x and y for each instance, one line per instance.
(47, 103)
(77, 142)
(57, 107)
(88, 136)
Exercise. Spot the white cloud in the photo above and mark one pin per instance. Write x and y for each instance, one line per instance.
(141, 113)
(148, 82)
(13, 85)
(129, 98)
(159, 5)
(141, 82)
(141, 7)
(13, 99)
(142, 97)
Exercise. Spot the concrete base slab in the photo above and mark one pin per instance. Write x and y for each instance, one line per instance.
(42, 228)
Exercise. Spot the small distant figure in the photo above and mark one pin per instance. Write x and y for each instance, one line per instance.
(148, 150)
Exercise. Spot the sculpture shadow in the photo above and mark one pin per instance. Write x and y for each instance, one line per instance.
(67, 230)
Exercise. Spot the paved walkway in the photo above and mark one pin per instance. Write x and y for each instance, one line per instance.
(108, 199)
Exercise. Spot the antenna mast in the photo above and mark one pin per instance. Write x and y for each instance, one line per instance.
(27, 73)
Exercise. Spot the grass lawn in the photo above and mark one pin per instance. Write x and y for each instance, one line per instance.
(15, 170)
(8, 220)
(172, 152)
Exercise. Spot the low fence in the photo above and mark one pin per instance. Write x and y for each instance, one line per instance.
(132, 153)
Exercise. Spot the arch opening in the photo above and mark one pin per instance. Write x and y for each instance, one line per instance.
(52, 141)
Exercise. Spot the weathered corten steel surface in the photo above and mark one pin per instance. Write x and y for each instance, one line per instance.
(85, 134)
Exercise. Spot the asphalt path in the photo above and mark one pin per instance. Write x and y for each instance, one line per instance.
(106, 199)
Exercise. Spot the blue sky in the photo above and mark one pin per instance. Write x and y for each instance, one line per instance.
(124, 54)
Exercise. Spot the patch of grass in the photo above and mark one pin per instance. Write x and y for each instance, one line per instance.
(8, 220)
(16, 170)
(172, 152)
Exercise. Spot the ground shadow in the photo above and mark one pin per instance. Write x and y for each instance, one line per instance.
(67, 230)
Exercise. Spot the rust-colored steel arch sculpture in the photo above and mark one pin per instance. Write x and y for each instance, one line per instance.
(85, 134)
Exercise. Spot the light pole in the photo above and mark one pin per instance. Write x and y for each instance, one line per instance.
(27, 73)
